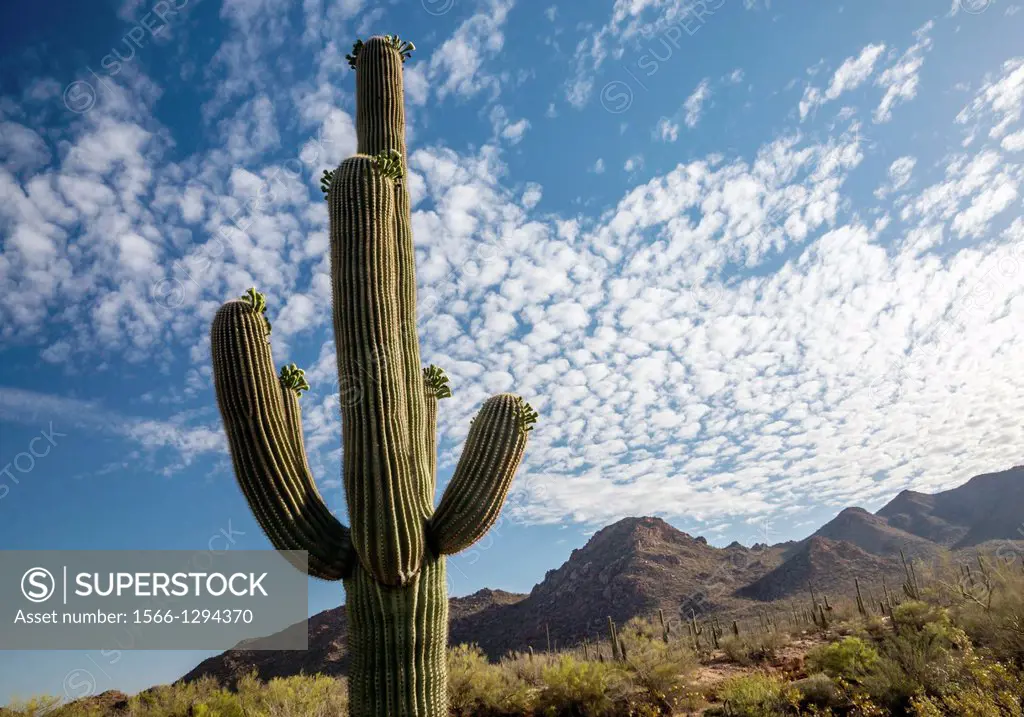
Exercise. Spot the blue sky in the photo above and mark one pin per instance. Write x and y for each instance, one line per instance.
(752, 260)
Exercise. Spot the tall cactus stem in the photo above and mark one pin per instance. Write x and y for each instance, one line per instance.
(392, 557)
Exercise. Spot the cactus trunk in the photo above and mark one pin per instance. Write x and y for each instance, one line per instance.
(397, 641)
(392, 558)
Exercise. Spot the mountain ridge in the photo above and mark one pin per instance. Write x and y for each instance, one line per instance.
(639, 565)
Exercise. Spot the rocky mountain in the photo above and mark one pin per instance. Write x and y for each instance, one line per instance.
(874, 535)
(639, 565)
(830, 566)
(987, 507)
(632, 567)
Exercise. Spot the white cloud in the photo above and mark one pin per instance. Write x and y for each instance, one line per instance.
(1001, 100)
(634, 163)
(598, 166)
(505, 128)
(854, 72)
(899, 174)
(456, 67)
(666, 130)
(695, 103)
(1013, 142)
(901, 79)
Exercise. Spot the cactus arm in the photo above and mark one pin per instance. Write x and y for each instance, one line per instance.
(478, 488)
(263, 424)
(384, 504)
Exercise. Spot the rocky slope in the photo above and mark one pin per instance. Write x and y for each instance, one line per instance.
(987, 507)
(633, 567)
(829, 566)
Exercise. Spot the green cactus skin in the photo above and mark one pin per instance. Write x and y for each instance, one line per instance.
(392, 557)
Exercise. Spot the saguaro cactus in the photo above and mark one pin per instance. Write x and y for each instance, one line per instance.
(392, 558)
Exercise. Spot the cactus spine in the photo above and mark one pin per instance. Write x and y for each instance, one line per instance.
(392, 558)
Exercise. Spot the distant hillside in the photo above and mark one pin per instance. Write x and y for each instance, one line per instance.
(632, 567)
(987, 507)
(830, 566)
(874, 535)
(638, 565)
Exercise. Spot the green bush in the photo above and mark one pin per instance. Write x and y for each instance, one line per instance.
(819, 691)
(174, 700)
(528, 668)
(476, 688)
(909, 665)
(219, 704)
(980, 689)
(758, 695)
(994, 618)
(575, 688)
(752, 648)
(916, 615)
(658, 669)
(851, 658)
(299, 696)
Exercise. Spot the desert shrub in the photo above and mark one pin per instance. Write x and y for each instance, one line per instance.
(476, 688)
(923, 659)
(819, 691)
(843, 611)
(977, 688)
(658, 670)
(32, 707)
(909, 665)
(916, 615)
(576, 688)
(528, 668)
(640, 628)
(754, 647)
(851, 658)
(758, 695)
(996, 621)
(873, 629)
(218, 704)
(299, 696)
(174, 700)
